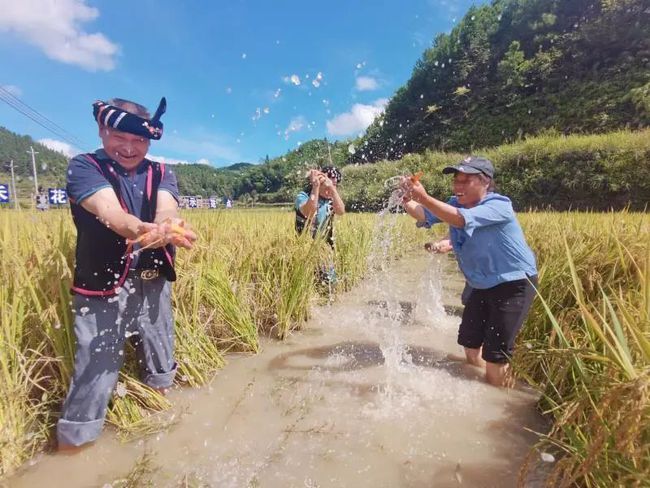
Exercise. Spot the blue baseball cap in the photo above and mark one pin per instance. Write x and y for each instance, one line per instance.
(472, 165)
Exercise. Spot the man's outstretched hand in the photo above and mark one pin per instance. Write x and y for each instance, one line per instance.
(170, 231)
(178, 233)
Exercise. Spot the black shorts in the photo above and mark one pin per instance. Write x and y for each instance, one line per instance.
(493, 316)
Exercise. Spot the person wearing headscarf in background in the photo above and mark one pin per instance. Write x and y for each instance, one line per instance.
(117, 194)
(492, 253)
(316, 206)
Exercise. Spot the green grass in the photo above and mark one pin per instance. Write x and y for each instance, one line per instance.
(598, 172)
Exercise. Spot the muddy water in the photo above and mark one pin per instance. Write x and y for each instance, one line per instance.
(364, 396)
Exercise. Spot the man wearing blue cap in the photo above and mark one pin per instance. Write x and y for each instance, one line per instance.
(493, 255)
(125, 209)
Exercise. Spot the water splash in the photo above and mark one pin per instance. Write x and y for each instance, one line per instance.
(385, 230)
(406, 385)
(389, 317)
(431, 310)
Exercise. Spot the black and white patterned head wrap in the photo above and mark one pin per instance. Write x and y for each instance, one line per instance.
(119, 119)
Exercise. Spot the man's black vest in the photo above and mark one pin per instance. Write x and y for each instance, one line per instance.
(102, 262)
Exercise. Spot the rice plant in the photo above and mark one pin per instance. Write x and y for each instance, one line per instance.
(249, 274)
(586, 346)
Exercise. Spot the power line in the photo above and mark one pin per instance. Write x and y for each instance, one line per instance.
(7, 93)
(35, 116)
(43, 122)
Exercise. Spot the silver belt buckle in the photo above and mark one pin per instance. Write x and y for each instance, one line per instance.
(149, 274)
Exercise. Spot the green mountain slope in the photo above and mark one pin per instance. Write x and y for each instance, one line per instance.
(271, 181)
(520, 67)
(51, 165)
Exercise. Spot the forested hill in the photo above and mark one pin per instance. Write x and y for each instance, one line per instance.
(520, 67)
(51, 165)
(274, 180)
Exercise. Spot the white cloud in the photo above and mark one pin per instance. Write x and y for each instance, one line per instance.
(64, 148)
(56, 27)
(174, 161)
(357, 119)
(366, 83)
(13, 89)
(202, 144)
(166, 160)
(295, 125)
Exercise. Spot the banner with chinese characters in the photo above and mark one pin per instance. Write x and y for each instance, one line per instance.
(191, 201)
(57, 196)
(4, 193)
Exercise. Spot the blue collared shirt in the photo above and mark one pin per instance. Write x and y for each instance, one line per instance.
(491, 249)
(323, 212)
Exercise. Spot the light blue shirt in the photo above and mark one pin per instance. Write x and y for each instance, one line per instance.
(323, 212)
(491, 248)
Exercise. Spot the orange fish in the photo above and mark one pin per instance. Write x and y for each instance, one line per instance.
(178, 236)
(416, 177)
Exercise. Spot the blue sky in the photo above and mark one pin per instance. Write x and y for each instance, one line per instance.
(243, 79)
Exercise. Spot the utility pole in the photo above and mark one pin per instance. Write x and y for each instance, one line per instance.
(13, 183)
(33, 153)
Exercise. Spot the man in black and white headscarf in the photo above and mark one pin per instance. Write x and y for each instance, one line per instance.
(125, 209)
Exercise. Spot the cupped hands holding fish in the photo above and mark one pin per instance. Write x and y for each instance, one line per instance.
(412, 188)
(172, 230)
(415, 192)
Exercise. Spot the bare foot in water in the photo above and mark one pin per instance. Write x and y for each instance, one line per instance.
(459, 364)
(456, 358)
(459, 358)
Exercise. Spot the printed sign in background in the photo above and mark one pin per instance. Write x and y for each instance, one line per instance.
(57, 196)
(4, 193)
(197, 201)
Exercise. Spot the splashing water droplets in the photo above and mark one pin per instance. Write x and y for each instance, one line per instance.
(120, 390)
(547, 458)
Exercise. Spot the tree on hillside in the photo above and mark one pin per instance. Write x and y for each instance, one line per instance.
(517, 67)
(51, 165)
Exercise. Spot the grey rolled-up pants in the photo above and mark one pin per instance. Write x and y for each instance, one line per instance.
(141, 312)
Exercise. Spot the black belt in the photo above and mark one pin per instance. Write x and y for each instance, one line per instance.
(145, 274)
